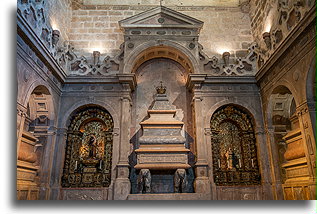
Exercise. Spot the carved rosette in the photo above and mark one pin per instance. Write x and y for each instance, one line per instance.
(234, 148)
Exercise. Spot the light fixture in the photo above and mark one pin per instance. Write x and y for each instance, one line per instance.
(225, 57)
(55, 37)
(96, 55)
(267, 40)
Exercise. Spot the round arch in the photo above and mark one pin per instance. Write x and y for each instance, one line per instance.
(280, 89)
(153, 49)
(255, 115)
(310, 79)
(45, 87)
(65, 120)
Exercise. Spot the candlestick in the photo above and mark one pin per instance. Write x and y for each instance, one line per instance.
(252, 163)
(240, 163)
(219, 166)
(75, 165)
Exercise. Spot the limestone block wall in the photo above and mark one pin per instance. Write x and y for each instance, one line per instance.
(96, 28)
(59, 13)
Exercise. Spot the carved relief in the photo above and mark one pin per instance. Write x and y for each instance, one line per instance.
(33, 11)
(287, 14)
(241, 67)
(234, 150)
(89, 149)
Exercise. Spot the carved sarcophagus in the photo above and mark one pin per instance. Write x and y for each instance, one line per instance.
(162, 145)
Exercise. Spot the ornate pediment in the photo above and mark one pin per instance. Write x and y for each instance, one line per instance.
(161, 17)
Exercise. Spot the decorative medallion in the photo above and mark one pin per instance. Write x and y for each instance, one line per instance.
(161, 20)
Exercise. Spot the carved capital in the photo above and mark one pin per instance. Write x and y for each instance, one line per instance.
(127, 80)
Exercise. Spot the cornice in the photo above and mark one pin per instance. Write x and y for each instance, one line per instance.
(29, 36)
(292, 36)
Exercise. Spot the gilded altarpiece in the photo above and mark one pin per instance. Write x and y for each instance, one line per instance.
(234, 148)
(89, 149)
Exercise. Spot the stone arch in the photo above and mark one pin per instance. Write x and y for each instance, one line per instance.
(34, 85)
(257, 120)
(174, 48)
(235, 160)
(77, 105)
(310, 80)
(281, 120)
(35, 140)
(89, 147)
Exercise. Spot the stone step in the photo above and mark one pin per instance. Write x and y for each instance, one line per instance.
(170, 196)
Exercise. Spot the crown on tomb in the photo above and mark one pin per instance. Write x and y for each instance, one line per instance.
(161, 89)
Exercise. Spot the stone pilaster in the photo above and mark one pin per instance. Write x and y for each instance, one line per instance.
(47, 161)
(306, 127)
(122, 183)
(201, 184)
(275, 168)
(266, 173)
(57, 164)
(21, 115)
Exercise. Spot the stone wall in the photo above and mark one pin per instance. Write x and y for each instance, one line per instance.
(96, 28)
(59, 13)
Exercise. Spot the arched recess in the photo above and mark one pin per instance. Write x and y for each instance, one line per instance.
(34, 145)
(234, 150)
(151, 66)
(89, 143)
(167, 49)
(281, 120)
(288, 145)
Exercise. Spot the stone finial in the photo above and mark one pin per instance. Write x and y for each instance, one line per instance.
(161, 89)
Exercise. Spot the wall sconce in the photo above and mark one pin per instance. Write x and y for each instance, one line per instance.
(225, 57)
(267, 40)
(55, 37)
(96, 55)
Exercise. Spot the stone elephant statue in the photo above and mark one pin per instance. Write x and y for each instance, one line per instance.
(180, 181)
(144, 181)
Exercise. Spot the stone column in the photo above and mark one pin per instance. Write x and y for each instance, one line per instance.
(201, 183)
(122, 184)
(46, 165)
(264, 158)
(57, 163)
(207, 132)
(305, 123)
(274, 165)
(21, 115)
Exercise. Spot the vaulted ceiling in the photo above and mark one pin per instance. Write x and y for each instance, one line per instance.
(216, 3)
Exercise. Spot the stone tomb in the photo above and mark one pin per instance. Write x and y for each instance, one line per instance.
(162, 147)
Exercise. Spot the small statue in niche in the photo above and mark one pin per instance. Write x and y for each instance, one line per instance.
(232, 161)
(180, 181)
(144, 181)
(92, 147)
